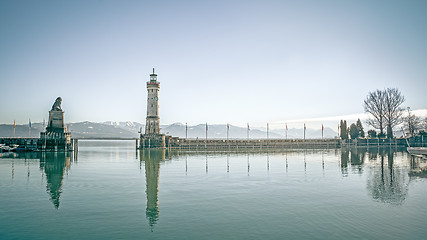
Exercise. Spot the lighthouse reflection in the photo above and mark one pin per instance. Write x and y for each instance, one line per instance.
(387, 171)
(152, 160)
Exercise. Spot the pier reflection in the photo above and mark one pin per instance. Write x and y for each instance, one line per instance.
(418, 167)
(387, 171)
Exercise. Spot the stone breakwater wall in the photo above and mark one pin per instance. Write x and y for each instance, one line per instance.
(235, 144)
(224, 144)
(39, 144)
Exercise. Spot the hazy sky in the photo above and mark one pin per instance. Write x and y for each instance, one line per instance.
(217, 61)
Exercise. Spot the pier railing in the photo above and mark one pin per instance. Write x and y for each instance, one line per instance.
(193, 144)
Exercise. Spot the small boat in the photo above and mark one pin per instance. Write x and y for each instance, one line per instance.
(19, 149)
(4, 148)
(417, 150)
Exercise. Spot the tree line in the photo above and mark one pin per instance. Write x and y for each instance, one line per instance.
(386, 112)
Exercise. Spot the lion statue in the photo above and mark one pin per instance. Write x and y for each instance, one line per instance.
(57, 105)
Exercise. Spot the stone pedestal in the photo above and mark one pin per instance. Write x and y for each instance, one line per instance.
(56, 121)
(55, 141)
(152, 141)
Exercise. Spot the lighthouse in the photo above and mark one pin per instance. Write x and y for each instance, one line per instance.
(152, 138)
(152, 124)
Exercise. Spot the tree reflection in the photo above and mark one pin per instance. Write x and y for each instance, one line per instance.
(387, 183)
(344, 161)
(357, 158)
(373, 153)
(354, 157)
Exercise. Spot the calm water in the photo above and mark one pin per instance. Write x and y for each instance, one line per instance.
(111, 191)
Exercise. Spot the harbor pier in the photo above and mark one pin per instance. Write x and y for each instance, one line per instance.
(236, 144)
(260, 144)
(39, 144)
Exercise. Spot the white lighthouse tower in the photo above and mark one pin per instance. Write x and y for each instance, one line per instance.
(152, 126)
(152, 137)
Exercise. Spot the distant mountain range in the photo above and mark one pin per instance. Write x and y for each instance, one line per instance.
(130, 130)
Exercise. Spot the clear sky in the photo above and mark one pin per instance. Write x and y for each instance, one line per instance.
(217, 61)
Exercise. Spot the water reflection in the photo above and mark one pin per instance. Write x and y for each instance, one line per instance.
(152, 159)
(418, 167)
(388, 181)
(344, 162)
(54, 166)
(357, 158)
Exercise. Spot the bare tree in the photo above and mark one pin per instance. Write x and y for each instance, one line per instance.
(393, 100)
(384, 106)
(374, 104)
(412, 122)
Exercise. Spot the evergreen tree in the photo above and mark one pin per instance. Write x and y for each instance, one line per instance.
(360, 128)
(354, 131)
(372, 134)
(343, 130)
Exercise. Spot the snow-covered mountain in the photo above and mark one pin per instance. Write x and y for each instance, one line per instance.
(131, 130)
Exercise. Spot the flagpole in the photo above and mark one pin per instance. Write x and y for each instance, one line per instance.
(286, 131)
(267, 130)
(228, 127)
(247, 132)
(304, 131)
(14, 125)
(29, 127)
(206, 134)
(186, 130)
(322, 130)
